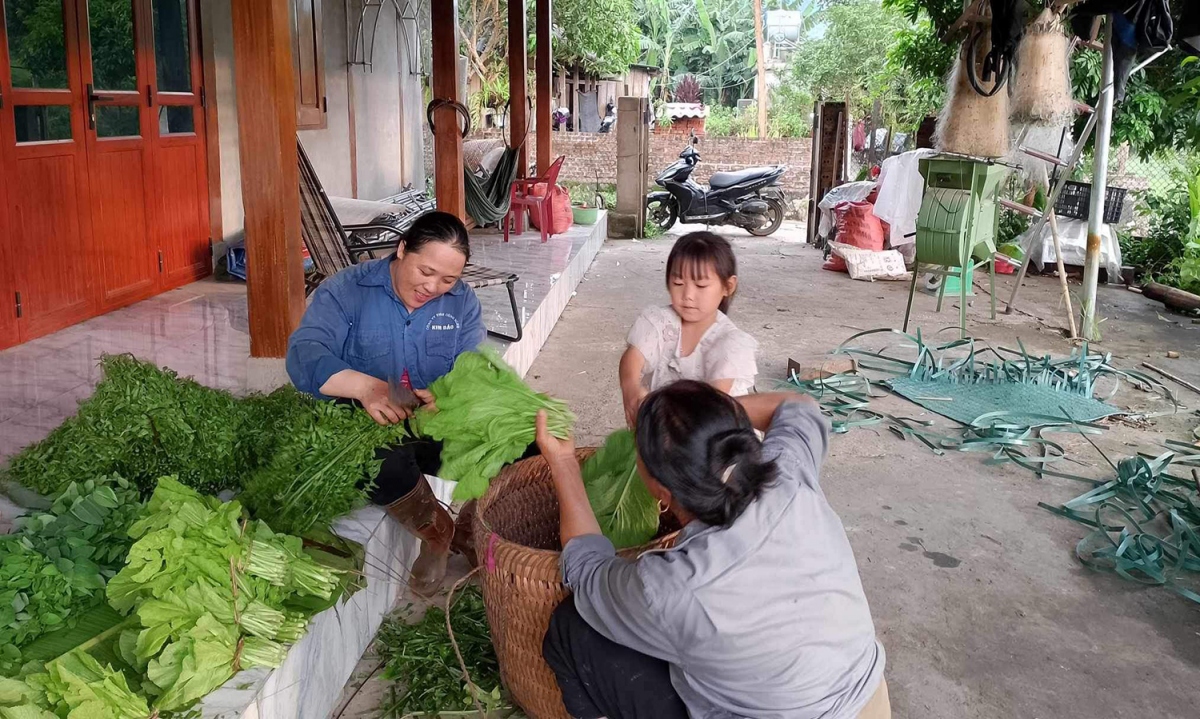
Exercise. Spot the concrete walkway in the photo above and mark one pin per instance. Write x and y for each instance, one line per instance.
(1016, 627)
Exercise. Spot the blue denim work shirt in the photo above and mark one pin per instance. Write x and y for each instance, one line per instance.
(356, 321)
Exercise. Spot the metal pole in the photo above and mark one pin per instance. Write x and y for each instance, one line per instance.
(1091, 267)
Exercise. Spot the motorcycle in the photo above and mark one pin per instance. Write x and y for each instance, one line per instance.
(750, 198)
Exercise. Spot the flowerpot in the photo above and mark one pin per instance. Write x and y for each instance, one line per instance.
(585, 215)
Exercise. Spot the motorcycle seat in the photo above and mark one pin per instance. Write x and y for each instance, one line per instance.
(721, 180)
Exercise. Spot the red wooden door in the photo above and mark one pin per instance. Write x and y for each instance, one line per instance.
(180, 179)
(9, 328)
(103, 177)
(116, 96)
(47, 234)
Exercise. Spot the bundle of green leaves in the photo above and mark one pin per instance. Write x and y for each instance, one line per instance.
(318, 468)
(420, 662)
(485, 419)
(212, 594)
(73, 685)
(144, 422)
(301, 462)
(55, 565)
(624, 507)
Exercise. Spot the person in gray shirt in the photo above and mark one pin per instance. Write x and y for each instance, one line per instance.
(757, 611)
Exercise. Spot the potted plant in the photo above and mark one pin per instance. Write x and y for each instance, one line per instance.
(584, 213)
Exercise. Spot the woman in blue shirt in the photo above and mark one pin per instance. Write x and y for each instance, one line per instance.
(380, 332)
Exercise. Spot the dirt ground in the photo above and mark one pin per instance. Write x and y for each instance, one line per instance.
(1016, 627)
(983, 609)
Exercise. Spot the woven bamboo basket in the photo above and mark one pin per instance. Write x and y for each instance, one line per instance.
(516, 538)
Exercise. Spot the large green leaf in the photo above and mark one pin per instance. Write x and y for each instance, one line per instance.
(93, 624)
(627, 513)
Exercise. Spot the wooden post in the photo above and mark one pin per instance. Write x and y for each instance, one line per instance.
(266, 112)
(447, 136)
(544, 70)
(761, 79)
(518, 77)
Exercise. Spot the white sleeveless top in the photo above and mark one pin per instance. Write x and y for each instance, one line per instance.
(724, 352)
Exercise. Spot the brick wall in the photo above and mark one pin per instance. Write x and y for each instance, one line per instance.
(592, 155)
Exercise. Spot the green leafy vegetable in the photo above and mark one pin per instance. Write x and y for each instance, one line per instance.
(212, 594)
(627, 512)
(319, 470)
(420, 661)
(55, 565)
(300, 462)
(485, 419)
(77, 685)
(143, 422)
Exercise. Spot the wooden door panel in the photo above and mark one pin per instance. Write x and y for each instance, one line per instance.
(47, 242)
(9, 327)
(125, 256)
(182, 229)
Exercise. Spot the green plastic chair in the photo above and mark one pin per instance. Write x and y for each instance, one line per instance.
(957, 225)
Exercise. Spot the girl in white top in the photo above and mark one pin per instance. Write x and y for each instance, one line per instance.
(692, 338)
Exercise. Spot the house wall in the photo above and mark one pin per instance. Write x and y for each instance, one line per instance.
(388, 112)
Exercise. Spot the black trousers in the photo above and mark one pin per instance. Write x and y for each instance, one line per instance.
(600, 678)
(403, 466)
(406, 462)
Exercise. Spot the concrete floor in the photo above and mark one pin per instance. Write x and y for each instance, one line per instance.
(1017, 628)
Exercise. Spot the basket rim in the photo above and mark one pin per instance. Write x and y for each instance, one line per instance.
(496, 539)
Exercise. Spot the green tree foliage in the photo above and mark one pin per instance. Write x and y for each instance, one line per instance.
(1161, 111)
(35, 43)
(598, 36)
(712, 40)
(849, 60)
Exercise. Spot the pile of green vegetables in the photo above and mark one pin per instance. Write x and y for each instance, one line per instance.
(485, 419)
(54, 566)
(297, 461)
(206, 593)
(625, 509)
(419, 660)
(73, 685)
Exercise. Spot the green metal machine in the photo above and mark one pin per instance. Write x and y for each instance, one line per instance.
(957, 224)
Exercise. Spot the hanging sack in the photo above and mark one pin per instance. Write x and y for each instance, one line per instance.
(561, 216)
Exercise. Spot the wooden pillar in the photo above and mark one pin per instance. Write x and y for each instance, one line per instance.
(544, 69)
(266, 112)
(518, 78)
(447, 136)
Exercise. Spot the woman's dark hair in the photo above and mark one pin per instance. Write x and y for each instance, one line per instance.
(695, 251)
(698, 443)
(438, 227)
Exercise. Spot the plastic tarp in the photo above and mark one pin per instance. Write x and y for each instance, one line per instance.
(1072, 237)
(901, 189)
(849, 192)
(589, 113)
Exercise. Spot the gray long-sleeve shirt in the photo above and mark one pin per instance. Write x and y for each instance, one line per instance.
(765, 619)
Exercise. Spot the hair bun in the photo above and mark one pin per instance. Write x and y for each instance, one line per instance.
(733, 446)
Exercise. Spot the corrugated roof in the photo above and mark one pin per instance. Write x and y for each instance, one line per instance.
(680, 110)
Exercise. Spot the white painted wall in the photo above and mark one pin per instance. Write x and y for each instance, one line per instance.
(389, 112)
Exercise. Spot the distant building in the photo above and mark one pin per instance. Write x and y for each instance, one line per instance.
(783, 32)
